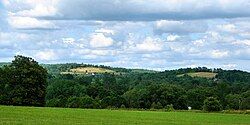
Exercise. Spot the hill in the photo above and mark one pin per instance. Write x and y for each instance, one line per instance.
(82, 69)
(200, 74)
(3, 63)
(88, 70)
(140, 89)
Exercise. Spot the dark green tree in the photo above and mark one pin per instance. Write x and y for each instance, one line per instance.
(233, 101)
(245, 104)
(24, 82)
(196, 96)
(212, 104)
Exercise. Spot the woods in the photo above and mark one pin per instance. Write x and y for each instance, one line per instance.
(25, 82)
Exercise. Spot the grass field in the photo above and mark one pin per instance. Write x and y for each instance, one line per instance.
(201, 74)
(88, 70)
(10, 115)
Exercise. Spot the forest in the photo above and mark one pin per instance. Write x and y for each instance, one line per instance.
(24, 82)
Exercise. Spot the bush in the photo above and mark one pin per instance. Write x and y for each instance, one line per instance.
(212, 104)
(74, 102)
(169, 108)
(87, 102)
(123, 106)
(157, 105)
(56, 103)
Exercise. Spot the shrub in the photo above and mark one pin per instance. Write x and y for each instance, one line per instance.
(212, 104)
(74, 102)
(123, 106)
(169, 108)
(56, 103)
(157, 105)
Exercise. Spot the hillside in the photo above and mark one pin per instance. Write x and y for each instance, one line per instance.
(83, 69)
(68, 86)
(3, 63)
(200, 74)
(88, 70)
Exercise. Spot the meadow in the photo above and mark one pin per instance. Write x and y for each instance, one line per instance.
(12, 115)
(88, 70)
(200, 74)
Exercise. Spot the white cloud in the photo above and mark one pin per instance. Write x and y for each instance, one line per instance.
(199, 42)
(68, 40)
(245, 42)
(104, 52)
(30, 23)
(105, 31)
(228, 28)
(172, 37)
(219, 54)
(6, 2)
(98, 40)
(39, 11)
(149, 45)
(47, 55)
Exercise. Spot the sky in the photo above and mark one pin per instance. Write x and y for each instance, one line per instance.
(149, 34)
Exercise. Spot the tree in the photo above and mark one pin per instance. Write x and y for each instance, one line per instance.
(25, 83)
(245, 104)
(157, 105)
(212, 104)
(197, 96)
(64, 89)
(233, 101)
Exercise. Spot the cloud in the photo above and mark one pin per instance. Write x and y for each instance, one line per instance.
(98, 40)
(228, 28)
(130, 10)
(219, 54)
(245, 42)
(172, 37)
(38, 11)
(155, 34)
(148, 10)
(46, 55)
(199, 42)
(31, 8)
(179, 27)
(149, 45)
(105, 31)
(68, 40)
(29, 23)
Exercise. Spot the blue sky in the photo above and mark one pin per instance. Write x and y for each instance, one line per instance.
(151, 34)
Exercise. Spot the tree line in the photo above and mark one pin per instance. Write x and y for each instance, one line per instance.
(25, 82)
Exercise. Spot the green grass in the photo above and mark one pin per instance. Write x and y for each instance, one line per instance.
(10, 115)
(201, 74)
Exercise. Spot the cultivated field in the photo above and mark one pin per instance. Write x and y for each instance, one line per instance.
(201, 74)
(10, 115)
(88, 70)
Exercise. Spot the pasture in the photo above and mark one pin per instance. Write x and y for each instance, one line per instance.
(88, 70)
(11, 115)
(201, 74)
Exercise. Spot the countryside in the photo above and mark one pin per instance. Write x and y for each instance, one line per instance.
(124, 62)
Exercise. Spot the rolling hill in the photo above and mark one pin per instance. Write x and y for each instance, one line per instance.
(200, 74)
(88, 70)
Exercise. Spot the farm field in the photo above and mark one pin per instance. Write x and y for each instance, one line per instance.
(11, 115)
(201, 74)
(88, 70)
